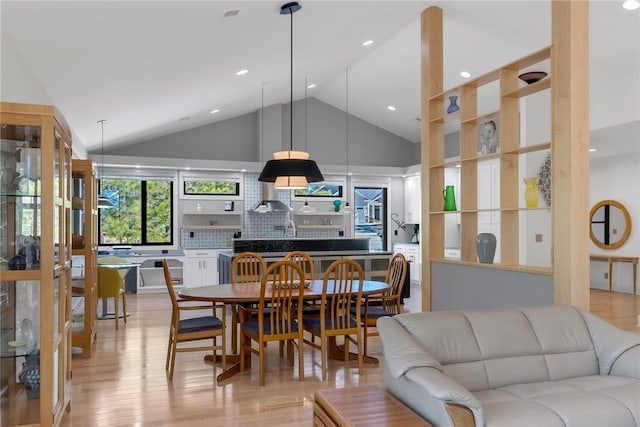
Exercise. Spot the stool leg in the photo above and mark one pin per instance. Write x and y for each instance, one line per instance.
(115, 309)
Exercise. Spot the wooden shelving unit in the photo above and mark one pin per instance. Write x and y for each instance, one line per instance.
(35, 247)
(509, 150)
(84, 243)
(564, 280)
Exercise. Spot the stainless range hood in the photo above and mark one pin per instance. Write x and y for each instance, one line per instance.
(269, 202)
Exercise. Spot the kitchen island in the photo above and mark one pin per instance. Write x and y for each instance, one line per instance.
(323, 252)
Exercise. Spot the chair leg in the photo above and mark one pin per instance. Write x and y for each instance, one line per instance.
(289, 352)
(124, 307)
(263, 360)
(242, 352)
(366, 336)
(323, 349)
(166, 365)
(360, 354)
(300, 357)
(115, 309)
(173, 359)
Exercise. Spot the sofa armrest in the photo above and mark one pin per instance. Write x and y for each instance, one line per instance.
(446, 390)
(613, 346)
(401, 351)
(627, 364)
(404, 356)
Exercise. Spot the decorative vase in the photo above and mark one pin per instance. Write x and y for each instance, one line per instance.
(336, 205)
(29, 376)
(531, 192)
(453, 104)
(18, 262)
(486, 247)
(449, 198)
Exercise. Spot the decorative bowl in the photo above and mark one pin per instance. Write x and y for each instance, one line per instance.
(532, 76)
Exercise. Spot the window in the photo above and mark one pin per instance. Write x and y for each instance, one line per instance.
(320, 190)
(203, 187)
(142, 212)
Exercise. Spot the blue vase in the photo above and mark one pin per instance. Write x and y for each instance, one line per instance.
(453, 104)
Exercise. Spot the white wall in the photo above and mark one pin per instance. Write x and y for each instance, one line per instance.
(617, 178)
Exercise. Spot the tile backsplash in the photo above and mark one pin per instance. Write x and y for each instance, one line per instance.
(256, 225)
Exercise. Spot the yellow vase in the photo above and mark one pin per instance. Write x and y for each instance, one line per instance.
(531, 192)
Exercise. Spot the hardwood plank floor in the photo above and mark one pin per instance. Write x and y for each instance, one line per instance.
(124, 383)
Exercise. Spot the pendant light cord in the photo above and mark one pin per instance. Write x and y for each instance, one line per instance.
(346, 72)
(101, 149)
(291, 97)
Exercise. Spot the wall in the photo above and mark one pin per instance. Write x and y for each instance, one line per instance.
(617, 178)
(239, 138)
(232, 139)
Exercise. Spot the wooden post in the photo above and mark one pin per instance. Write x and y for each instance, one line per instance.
(570, 151)
(432, 84)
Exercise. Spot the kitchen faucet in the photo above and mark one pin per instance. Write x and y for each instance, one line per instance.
(293, 226)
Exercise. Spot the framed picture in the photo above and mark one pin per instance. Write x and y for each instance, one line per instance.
(489, 137)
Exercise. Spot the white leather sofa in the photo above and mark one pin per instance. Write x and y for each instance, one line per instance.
(540, 366)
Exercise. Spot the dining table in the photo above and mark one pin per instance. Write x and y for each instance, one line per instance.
(249, 293)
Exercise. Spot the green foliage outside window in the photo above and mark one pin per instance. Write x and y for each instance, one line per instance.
(206, 187)
(142, 214)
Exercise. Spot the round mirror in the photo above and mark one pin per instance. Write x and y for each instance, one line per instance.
(610, 224)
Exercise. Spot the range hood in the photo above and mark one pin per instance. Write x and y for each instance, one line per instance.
(269, 202)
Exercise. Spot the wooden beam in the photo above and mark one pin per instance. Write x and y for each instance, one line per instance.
(570, 150)
(432, 84)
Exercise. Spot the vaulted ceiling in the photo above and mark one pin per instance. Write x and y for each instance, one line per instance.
(152, 68)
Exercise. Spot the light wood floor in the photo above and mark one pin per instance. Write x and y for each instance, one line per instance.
(124, 383)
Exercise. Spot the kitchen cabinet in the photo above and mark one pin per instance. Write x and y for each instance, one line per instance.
(200, 267)
(412, 200)
(35, 250)
(414, 254)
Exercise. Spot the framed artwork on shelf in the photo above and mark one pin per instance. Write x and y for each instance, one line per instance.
(489, 137)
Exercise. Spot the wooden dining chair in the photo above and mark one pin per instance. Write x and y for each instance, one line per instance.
(111, 285)
(281, 293)
(387, 304)
(246, 270)
(341, 291)
(193, 328)
(304, 261)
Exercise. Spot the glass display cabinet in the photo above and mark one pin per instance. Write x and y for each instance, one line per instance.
(35, 262)
(84, 229)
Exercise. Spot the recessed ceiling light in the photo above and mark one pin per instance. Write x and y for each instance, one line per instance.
(242, 72)
(465, 74)
(631, 4)
(367, 43)
(311, 86)
(214, 111)
(591, 150)
(391, 108)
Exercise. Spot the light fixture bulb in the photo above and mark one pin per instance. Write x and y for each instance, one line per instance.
(311, 86)
(214, 111)
(242, 72)
(306, 208)
(391, 108)
(367, 43)
(465, 74)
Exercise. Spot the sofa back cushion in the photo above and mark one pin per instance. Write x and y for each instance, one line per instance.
(486, 349)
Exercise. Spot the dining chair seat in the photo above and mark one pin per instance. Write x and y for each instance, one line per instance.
(374, 312)
(253, 327)
(329, 324)
(197, 324)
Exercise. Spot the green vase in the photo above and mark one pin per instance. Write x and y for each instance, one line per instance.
(449, 198)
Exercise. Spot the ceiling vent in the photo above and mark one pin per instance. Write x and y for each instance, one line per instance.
(230, 13)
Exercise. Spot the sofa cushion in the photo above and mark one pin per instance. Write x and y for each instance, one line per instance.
(483, 349)
(598, 400)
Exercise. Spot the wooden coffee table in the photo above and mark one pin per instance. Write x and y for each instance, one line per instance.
(362, 406)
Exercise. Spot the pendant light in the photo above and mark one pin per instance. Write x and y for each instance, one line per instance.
(306, 208)
(103, 201)
(347, 205)
(291, 169)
